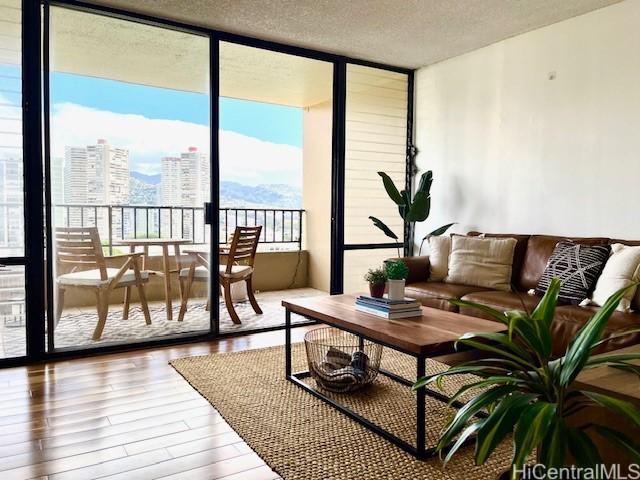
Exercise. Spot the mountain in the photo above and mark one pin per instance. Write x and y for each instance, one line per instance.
(233, 194)
(145, 190)
(143, 193)
(144, 178)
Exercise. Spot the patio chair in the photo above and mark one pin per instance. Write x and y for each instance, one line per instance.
(237, 267)
(79, 255)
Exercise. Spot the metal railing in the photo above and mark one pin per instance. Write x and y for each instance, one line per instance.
(282, 227)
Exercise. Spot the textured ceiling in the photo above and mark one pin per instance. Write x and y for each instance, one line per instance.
(105, 47)
(409, 33)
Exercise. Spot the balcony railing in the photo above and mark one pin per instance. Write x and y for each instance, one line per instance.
(282, 228)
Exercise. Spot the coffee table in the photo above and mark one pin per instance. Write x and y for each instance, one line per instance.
(432, 334)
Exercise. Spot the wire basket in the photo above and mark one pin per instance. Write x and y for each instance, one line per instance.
(340, 361)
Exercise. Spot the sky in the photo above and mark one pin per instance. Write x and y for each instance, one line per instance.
(259, 143)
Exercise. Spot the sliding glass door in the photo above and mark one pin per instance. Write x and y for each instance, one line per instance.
(129, 175)
(12, 238)
(276, 127)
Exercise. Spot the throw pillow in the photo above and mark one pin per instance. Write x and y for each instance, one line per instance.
(621, 270)
(439, 247)
(578, 268)
(481, 262)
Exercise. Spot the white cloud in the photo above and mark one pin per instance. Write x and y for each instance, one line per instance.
(243, 159)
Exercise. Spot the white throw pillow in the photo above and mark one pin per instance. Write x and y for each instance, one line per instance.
(481, 262)
(621, 270)
(439, 247)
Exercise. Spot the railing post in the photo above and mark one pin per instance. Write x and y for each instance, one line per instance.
(110, 217)
(299, 229)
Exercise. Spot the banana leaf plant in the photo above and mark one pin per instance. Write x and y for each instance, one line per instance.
(411, 211)
(530, 394)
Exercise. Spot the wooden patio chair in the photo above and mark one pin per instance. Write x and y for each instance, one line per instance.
(79, 255)
(237, 267)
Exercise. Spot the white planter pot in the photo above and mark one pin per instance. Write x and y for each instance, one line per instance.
(396, 289)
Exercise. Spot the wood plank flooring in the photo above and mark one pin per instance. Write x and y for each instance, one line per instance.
(122, 416)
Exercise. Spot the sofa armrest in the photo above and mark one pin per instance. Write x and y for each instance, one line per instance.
(418, 268)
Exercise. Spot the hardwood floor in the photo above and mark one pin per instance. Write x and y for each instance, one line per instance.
(122, 416)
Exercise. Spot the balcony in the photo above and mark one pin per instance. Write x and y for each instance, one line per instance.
(281, 271)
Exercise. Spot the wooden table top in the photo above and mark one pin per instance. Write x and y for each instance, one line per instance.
(152, 241)
(434, 333)
(612, 381)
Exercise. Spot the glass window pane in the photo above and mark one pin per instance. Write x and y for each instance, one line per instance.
(130, 170)
(12, 312)
(11, 171)
(356, 264)
(376, 138)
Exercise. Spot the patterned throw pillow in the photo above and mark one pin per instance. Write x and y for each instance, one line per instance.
(578, 268)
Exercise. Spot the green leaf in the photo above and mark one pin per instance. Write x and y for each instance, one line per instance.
(545, 310)
(491, 381)
(499, 423)
(404, 208)
(491, 312)
(473, 406)
(426, 179)
(470, 430)
(439, 231)
(386, 230)
(622, 407)
(498, 351)
(612, 358)
(420, 208)
(553, 449)
(391, 189)
(582, 448)
(502, 339)
(579, 349)
(629, 446)
(532, 427)
(457, 370)
(530, 333)
(623, 333)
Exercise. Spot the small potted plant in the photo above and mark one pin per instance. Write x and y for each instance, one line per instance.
(396, 272)
(377, 279)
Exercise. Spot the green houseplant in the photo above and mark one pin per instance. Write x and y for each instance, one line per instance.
(396, 272)
(529, 393)
(411, 211)
(376, 277)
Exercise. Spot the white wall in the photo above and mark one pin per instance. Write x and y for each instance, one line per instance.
(539, 133)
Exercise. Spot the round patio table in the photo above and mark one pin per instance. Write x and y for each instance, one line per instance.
(166, 272)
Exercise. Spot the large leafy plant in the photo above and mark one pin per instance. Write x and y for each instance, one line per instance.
(411, 210)
(528, 393)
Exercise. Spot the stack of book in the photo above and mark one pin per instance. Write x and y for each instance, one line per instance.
(391, 309)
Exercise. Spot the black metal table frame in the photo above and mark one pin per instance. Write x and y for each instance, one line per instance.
(420, 450)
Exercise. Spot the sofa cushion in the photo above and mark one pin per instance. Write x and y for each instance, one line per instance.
(502, 301)
(539, 250)
(437, 294)
(518, 254)
(622, 270)
(418, 268)
(483, 262)
(570, 318)
(578, 268)
(439, 249)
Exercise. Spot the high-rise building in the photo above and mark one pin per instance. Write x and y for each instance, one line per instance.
(96, 175)
(11, 206)
(185, 179)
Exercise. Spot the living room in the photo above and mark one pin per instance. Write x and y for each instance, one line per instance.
(469, 175)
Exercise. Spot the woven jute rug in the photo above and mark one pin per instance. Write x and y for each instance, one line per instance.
(301, 437)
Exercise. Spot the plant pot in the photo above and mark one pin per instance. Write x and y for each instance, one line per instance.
(396, 289)
(376, 290)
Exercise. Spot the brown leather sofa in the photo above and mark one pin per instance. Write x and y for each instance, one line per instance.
(530, 258)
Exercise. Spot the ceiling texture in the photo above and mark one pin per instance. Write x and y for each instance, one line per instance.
(405, 33)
